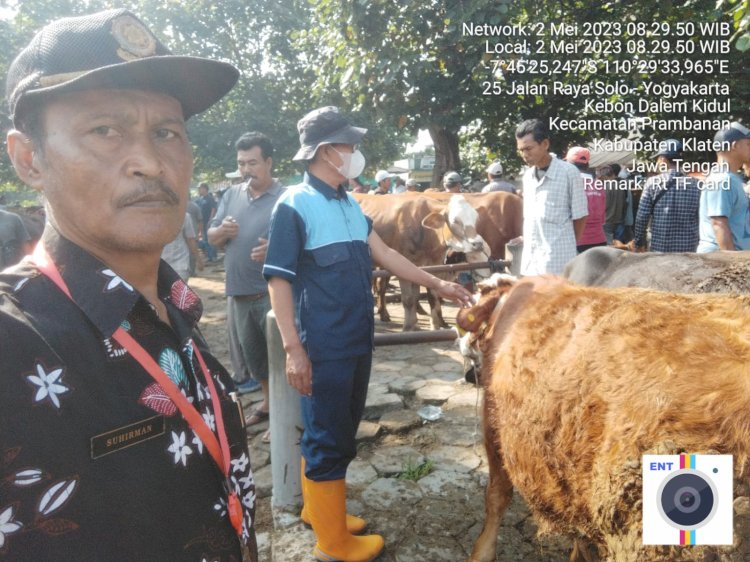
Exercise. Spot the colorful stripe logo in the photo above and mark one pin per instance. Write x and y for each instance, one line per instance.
(687, 537)
(687, 461)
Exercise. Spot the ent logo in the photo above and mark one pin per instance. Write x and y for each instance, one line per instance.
(660, 466)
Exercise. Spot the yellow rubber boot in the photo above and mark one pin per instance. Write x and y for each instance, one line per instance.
(326, 505)
(354, 524)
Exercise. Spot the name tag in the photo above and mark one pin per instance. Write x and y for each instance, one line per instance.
(124, 437)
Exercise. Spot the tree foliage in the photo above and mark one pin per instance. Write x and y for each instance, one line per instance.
(397, 67)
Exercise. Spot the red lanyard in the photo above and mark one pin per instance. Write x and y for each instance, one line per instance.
(218, 448)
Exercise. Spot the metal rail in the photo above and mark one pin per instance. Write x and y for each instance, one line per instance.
(426, 336)
(494, 265)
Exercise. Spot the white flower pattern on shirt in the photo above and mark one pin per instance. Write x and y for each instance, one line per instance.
(49, 384)
(179, 448)
(7, 525)
(115, 281)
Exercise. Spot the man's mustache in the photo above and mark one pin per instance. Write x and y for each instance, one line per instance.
(150, 190)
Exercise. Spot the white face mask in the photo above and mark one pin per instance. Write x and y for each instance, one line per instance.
(352, 164)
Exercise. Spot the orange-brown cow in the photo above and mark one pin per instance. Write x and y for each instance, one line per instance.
(423, 230)
(580, 382)
(500, 217)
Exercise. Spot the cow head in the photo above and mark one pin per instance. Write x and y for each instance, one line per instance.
(488, 298)
(457, 226)
(476, 321)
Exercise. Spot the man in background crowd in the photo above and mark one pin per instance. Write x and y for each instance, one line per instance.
(208, 207)
(412, 185)
(616, 202)
(241, 224)
(724, 205)
(399, 185)
(593, 233)
(554, 203)
(452, 182)
(383, 180)
(14, 239)
(669, 202)
(496, 181)
(182, 253)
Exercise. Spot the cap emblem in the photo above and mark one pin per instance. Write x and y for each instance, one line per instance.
(134, 39)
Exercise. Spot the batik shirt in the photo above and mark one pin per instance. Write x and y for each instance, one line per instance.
(96, 462)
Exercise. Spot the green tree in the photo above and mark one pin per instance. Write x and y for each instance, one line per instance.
(405, 62)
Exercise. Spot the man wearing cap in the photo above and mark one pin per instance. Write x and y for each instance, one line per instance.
(554, 203)
(383, 179)
(412, 185)
(670, 202)
(119, 437)
(319, 267)
(452, 182)
(593, 233)
(724, 217)
(497, 183)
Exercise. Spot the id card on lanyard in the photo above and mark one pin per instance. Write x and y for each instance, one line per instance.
(218, 448)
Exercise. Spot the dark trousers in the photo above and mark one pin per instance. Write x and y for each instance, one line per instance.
(332, 414)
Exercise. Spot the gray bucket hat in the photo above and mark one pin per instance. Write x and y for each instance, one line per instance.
(325, 125)
(112, 49)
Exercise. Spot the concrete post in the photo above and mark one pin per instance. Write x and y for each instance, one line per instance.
(286, 426)
(515, 251)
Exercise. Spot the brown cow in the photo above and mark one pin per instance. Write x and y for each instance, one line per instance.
(500, 217)
(580, 382)
(423, 230)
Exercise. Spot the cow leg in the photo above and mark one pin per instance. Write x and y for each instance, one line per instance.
(409, 298)
(499, 489)
(436, 310)
(421, 310)
(380, 287)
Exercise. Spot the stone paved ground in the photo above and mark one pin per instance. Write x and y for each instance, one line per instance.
(434, 519)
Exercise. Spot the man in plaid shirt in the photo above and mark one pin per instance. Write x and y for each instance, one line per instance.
(554, 203)
(670, 202)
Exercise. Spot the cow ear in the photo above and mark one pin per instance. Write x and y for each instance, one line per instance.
(434, 221)
(471, 319)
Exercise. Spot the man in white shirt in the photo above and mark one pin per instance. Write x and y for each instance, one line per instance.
(554, 203)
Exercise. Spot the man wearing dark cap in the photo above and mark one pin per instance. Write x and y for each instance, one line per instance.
(724, 217)
(452, 182)
(319, 265)
(669, 202)
(119, 438)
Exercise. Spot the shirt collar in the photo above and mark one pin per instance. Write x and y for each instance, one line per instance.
(552, 170)
(327, 191)
(273, 190)
(104, 297)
